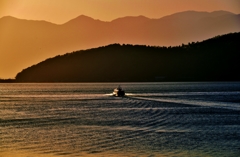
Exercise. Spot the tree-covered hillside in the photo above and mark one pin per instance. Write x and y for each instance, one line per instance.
(215, 59)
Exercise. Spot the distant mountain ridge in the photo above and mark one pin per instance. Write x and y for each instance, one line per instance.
(215, 59)
(27, 42)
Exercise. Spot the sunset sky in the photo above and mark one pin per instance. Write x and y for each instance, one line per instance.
(60, 11)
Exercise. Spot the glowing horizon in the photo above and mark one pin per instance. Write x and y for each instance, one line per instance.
(59, 12)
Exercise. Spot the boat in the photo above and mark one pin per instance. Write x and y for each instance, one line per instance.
(118, 91)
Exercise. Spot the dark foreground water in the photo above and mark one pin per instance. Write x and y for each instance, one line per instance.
(154, 119)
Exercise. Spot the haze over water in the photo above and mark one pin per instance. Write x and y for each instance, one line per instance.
(153, 119)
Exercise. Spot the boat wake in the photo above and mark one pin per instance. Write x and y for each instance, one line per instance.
(181, 98)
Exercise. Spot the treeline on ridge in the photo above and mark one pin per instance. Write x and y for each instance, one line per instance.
(215, 59)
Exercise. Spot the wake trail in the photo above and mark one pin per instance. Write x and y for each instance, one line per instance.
(222, 105)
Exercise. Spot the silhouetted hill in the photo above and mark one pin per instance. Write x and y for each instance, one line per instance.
(26, 42)
(215, 59)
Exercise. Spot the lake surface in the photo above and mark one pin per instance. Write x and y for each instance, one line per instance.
(153, 119)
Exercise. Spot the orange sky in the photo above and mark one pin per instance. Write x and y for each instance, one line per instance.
(60, 11)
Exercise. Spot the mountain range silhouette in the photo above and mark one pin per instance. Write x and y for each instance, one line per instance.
(215, 59)
(27, 42)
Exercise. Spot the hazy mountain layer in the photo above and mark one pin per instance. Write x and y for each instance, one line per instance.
(27, 42)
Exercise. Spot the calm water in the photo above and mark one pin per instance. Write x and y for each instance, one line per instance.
(154, 119)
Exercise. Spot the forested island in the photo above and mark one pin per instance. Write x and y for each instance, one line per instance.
(215, 59)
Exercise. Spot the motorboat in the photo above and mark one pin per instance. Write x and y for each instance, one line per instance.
(118, 91)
